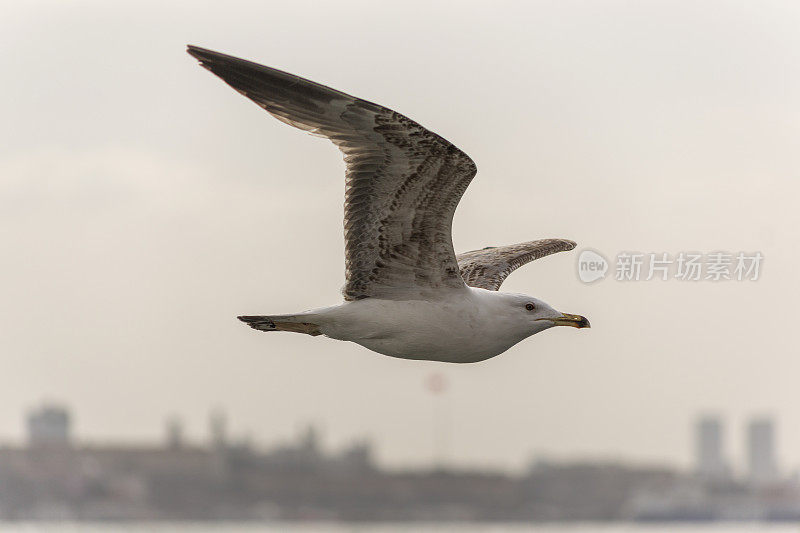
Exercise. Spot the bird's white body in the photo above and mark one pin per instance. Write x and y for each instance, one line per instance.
(456, 326)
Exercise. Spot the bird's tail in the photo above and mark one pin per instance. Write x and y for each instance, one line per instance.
(294, 323)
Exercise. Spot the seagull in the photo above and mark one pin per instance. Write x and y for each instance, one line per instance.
(406, 294)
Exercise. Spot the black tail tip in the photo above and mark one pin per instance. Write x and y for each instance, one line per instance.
(263, 323)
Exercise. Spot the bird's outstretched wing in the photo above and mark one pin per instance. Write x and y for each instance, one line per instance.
(489, 267)
(403, 182)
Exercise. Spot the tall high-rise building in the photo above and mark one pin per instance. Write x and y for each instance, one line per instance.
(762, 466)
(217, 424)
(48, 426)
(174, 433)
(709, 454)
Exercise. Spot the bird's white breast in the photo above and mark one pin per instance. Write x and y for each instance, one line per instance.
(463, 326)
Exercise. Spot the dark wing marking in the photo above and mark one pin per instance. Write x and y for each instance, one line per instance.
(403, 182)
(489, 267)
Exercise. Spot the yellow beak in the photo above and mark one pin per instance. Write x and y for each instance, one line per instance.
(566, 319)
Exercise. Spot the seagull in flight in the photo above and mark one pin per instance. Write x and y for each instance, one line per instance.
(406, 294)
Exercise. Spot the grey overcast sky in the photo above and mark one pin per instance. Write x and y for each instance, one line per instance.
(145, 204)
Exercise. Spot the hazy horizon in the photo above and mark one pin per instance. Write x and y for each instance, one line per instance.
(145, 205)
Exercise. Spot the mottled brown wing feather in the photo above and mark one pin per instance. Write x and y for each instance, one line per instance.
(489, 267)
(403, 182)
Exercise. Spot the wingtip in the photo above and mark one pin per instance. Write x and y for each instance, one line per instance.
(198, 52)
(564, 245)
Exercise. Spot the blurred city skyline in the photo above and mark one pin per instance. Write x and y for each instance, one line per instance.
(710, 437)
(145, 205)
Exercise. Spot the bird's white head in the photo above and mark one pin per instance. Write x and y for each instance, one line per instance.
(532, 315)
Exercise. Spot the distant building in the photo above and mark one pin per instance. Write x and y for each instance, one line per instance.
(309, 440)
(358, 457)
(710, 459)
(49, 426)
(217, 425)
(174, 433)
(762, 466)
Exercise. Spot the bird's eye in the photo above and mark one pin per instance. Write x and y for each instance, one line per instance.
(530, 307)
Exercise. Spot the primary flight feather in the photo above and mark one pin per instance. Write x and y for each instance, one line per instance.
(406, 292)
